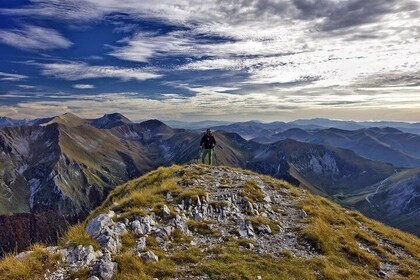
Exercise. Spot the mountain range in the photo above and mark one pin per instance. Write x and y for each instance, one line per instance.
(56, 170)
(381, 144)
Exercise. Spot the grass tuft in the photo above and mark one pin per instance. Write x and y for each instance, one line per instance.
(251, 190)
(32, 267)
(76, 235)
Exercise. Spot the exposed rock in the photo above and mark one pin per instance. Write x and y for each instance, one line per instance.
(141, 244)
(120, 228)
(143, 225)
(80, 256)
(149, 255)
(137, 227)
(222, 215)
(264, 229)
(59, 274)
(166, 212)
(98, 224)
(169, 197)
(180, 223)
(110, 241)
(303, 214)
(105, 267)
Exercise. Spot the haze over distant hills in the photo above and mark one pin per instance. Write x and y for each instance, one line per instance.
(276, 125)
(57, 169)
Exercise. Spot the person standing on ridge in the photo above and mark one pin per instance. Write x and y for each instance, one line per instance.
(207, 143)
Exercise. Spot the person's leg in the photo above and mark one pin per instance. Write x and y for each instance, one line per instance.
(203, 156)
(210, 156)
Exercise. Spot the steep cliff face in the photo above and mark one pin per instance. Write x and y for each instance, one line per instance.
(201, 222)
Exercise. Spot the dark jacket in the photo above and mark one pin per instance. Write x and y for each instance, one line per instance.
(208, 141)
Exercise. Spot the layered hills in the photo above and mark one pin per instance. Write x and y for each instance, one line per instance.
(57, 171)
(381, 144)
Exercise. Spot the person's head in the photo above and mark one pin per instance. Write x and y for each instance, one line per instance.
(208, 131)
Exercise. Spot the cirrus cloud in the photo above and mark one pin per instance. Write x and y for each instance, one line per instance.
(73, 71)
(33, 38)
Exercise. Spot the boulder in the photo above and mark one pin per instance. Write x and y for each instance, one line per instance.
(149, 256)
(100, 223)
(105, 268)
(141, 244)
(80, 256)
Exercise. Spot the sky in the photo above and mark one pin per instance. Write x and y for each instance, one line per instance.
(193, 60)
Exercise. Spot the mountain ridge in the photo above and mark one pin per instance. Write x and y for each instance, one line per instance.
(67, 170)
(203, 222)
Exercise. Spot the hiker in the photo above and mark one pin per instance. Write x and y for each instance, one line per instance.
(207, 143)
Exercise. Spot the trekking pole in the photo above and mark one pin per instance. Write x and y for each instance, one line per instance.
(213, 155)
(200, 155)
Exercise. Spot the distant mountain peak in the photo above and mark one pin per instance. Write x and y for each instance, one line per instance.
(110, 121)
(153, 123)
(68, 119)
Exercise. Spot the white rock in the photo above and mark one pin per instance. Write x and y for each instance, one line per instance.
(169, 197)
(166, 211)
(111, 242)
(119, 228)
(105, 268)
(149, 255)
(303, 214)
(137, 228)
(141, 244)
(243, 233)
(100, 223)
(80, 256)
(264, 229)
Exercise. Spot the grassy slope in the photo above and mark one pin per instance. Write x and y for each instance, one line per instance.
(334, 231)
(393, 184)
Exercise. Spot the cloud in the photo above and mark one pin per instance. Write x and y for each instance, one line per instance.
(11, 77)
(26, 86)
(221, 103)
(83, 86)
(32, 38)
(305, 55)
(74, 71)
(333, 15)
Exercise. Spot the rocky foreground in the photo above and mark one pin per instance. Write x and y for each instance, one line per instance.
(200, 222)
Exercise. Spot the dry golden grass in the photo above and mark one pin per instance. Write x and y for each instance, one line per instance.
(251, 190)
(201, 227)
(76, 235)
(335, 232)
(32, 267)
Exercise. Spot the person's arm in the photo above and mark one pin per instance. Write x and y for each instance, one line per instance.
(214, 142)
(202, 142)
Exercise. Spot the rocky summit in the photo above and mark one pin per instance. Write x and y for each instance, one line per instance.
(202, 222)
